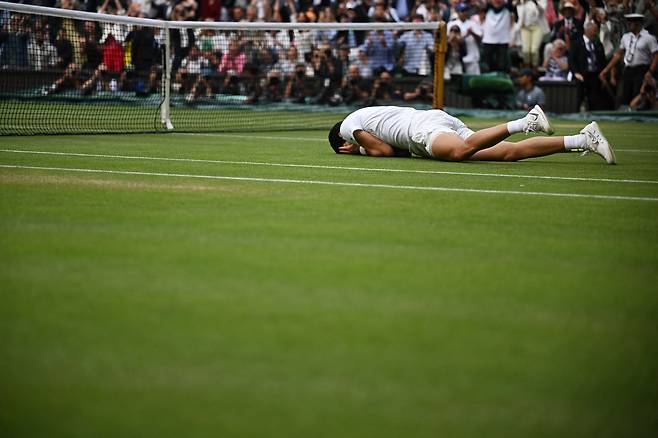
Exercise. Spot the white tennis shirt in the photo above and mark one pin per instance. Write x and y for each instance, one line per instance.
(391, 124)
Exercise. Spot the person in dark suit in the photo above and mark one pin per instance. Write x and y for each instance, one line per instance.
(587, 59)
(568, 28)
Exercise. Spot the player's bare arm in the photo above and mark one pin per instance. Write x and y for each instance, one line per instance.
(374, 146)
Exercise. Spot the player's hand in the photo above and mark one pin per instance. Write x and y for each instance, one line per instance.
(348, 148)
(579, 77)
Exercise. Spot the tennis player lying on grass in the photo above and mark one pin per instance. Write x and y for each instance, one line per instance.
(386, 131)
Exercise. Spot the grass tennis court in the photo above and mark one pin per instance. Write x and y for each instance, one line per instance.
(242, 285)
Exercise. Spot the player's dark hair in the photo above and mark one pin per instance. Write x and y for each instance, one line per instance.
(335, 140)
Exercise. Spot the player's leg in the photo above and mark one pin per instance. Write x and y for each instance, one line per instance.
(464, 143)
(590, 140)
(528, 148)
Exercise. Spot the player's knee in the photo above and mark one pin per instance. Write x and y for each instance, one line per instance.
(449, 147)
(511, 154)
(458, 154)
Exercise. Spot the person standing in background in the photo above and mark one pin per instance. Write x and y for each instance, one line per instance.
(639, 50)
(471, 32)
(586, 60)
(497, 31)
(533, 26)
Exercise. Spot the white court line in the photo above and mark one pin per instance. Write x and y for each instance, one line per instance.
(640, 151)
(336, 183)
(313, 166)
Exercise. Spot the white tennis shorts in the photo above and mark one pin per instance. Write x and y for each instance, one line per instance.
(431, 123)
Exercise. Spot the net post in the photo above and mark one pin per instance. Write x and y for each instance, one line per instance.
(165, 108)
(440, 49)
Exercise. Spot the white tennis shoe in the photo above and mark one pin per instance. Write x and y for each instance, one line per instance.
(536, 121)
(597, 143)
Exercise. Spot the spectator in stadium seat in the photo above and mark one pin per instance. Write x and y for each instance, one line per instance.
(42, 55)
(159, 9)
(556, 64)
(379, 49)
(354, 14)
(424, 8)
(529, 94)
(386, 131)
(65, 62)
(287, 65)
(92, 51)
(135, 10)
(250, 14)
(14, 37)
(114, 7)
(210, 10)
(381, 11)
(471, 32)
(190, 74)
(145, 55)
(233, 59)
(363, 63)
(181, 39)
(586, 60)
(112, 65)
(322, 37)
(497, 30)
(417, 43)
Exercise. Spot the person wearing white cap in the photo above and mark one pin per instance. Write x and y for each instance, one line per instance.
(639, 50)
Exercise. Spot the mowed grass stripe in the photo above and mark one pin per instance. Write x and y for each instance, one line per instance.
(337, 183)
(327, 167)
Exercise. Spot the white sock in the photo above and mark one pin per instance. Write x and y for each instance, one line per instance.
(516, 126)
(578, 141)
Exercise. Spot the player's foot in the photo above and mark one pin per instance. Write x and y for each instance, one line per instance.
(536, 121)
(597, 143)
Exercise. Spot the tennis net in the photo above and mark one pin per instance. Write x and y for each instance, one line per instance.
(67, 72)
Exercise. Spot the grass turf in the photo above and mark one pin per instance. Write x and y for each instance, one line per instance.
(137, 305)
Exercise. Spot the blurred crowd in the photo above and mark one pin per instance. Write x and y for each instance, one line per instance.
(607, 47)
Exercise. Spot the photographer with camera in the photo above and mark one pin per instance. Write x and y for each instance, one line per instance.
(422, 93)
(383, 89)
(354, 87)
(297, 89)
